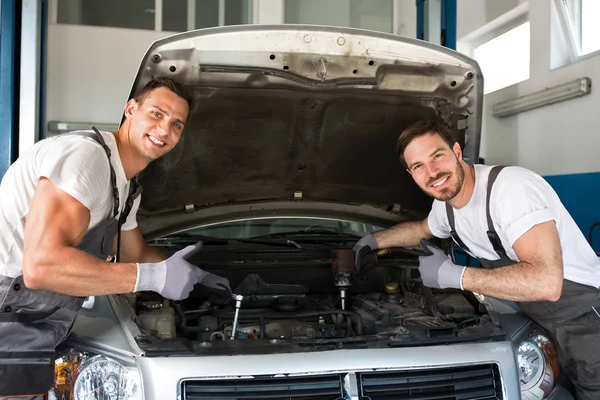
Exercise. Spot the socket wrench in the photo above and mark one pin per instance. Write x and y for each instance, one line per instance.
(238, 302)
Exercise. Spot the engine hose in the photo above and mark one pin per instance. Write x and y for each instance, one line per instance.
(354, 315)
(339, 321)
(198, 311)
(349, 332)
(431, 304)
(261, 322)
(184, 327)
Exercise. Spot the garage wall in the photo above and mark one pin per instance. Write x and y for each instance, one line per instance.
(561, 141)
(90, 69)
(536, 139)
(89, 77)
(473, 14)
(406, 15)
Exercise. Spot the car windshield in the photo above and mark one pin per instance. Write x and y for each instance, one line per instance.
(279, 227)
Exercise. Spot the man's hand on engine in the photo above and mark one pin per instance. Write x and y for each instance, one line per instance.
(217, 287)
(363, 252)
(173, 278)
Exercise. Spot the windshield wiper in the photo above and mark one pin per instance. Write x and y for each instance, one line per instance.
(309, 232)
(193, 238)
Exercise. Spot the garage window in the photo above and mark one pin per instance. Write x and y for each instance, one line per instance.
(582, 24)
(504, 60)
(374, 15)
(136, 14)
(165, 15)
(590, 30)
(187, 15)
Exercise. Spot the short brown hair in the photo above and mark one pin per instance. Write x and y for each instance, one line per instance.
(419, 129)
(178, 88)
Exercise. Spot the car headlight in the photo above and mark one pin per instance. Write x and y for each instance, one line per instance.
(538, 366)
(85, 376)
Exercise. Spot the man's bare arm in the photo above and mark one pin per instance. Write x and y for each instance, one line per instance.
(539, 275)
(55, 224)
(403, 235)
(135, 249)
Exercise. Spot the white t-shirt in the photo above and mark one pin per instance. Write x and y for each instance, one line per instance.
(76, 164)
(520, 199)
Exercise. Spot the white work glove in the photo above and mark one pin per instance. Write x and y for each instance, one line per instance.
(173, 278)
(363, 252)
(437, 270)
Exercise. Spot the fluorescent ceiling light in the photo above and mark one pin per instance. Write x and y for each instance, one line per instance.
(577, 88)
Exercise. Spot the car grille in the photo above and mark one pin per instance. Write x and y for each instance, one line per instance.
(480, 382)
(322, 387)
(474, 382)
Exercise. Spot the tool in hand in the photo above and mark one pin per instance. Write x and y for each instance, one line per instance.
(342, 266)
(238, 302)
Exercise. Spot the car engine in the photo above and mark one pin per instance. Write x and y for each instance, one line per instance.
(321, 299)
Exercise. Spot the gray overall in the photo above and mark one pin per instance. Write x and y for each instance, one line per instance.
(34, 322)
(572, 320)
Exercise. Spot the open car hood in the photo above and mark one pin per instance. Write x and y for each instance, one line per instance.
(303, 114)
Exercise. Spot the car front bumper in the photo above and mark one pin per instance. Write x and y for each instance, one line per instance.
(164, 377)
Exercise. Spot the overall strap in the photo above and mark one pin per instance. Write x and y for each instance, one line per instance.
(492, 235)
(135, 190)
(457, 239)
(96, 136)
(113, 176)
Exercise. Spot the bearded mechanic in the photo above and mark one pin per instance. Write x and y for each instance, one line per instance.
(512, 221)
(61, 207)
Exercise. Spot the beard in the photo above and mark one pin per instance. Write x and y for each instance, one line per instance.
(451, 191)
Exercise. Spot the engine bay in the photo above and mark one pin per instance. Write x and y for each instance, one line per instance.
(316, 297)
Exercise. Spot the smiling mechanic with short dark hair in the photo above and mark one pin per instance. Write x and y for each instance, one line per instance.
(62, 204)
(513, 222)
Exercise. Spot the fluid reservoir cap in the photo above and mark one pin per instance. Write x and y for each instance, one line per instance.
(151, 305)
(391, 286)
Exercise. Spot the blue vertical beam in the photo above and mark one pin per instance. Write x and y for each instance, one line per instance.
(9, 84)
(43, 66)
(420, 19)
(30, 67)
(449, 23)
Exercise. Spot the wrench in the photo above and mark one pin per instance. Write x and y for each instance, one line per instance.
(238, 302)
